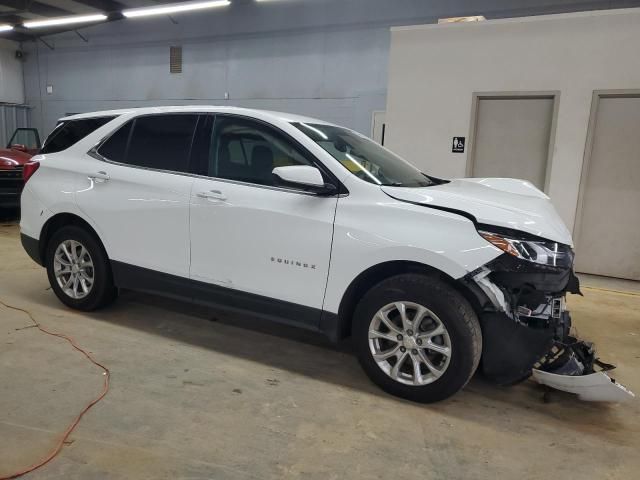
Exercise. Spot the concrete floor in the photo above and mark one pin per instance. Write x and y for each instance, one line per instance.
(198, 398)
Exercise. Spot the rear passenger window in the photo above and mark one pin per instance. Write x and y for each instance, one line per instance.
(161, 142)
(70, 132)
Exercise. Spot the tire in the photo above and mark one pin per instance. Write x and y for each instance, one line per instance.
(101, 291)
(440, 375)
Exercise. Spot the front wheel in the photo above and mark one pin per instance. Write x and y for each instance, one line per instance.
(417, 338)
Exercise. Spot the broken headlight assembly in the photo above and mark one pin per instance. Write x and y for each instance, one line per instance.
(539, 251)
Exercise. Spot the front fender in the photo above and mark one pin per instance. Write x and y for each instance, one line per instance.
(370, 233)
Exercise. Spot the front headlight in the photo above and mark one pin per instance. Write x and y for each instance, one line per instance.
(543, 252)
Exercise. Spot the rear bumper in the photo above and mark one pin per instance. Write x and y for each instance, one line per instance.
(32, 247)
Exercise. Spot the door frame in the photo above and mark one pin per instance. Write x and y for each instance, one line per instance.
(588, 150)
(508, 95)
(373, 124)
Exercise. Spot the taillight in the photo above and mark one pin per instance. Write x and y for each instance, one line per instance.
(29, 169)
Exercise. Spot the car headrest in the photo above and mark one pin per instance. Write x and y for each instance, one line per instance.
(262, 158)
(224, 155)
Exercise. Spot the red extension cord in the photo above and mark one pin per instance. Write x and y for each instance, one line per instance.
(105, 388)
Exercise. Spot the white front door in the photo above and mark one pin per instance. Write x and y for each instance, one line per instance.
(138, 203)
(250, 235)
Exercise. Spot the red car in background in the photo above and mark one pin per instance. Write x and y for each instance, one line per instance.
(24, 144)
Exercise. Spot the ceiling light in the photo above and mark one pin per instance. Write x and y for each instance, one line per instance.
(5, 28)
(65, 21)
(473, 18)
(174, 8)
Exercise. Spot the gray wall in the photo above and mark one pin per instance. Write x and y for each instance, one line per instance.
(11, 80)
(323, 58)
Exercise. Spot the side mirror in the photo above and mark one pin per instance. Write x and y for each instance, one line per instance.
(19, 147)
(305, 177)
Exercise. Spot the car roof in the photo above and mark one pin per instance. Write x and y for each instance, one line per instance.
(287, 117)
(103, 113)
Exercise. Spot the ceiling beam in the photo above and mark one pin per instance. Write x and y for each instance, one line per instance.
(11, 18)
(104, 5)
(35, 7)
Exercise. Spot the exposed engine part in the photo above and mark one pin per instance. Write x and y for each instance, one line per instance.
(525, 308)
(552, 308)
(571, 357)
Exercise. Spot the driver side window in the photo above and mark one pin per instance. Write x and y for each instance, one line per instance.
(248, 151)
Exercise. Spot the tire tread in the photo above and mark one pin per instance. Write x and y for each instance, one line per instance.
(462, 311)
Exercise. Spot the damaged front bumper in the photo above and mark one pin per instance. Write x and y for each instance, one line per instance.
(527, 330)
(592, 387)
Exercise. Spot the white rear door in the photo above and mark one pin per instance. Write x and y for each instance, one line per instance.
(138, 196)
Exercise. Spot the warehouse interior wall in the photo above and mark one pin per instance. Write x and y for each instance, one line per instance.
(11, 78)
(323, 58)
(434, 71)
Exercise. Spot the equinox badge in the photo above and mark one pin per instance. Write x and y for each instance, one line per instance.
(293, 263)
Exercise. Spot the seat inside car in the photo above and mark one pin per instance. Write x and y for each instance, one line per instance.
(226, 169)
(262, 164)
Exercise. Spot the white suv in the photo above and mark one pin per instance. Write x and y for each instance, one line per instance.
(298, 221)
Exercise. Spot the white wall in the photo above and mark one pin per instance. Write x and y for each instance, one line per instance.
(11, 80)
(435, 69)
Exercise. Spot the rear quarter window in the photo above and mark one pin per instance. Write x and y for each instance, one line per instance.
(70, 132)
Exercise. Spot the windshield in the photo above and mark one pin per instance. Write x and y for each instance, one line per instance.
(363, 157)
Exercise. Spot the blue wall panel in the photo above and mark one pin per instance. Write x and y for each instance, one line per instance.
(323, 58)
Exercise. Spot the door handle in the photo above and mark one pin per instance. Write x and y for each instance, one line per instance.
(103, 176)
(212, 195)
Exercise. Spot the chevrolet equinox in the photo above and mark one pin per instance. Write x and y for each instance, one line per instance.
(295, 220)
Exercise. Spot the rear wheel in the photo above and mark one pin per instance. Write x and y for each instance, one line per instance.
(417, 338)
(79, 270)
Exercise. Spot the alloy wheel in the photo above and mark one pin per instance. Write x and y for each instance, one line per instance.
(73, 269)
(409, 343)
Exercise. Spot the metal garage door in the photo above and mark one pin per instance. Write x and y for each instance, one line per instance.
(608, 234)
(512, 136)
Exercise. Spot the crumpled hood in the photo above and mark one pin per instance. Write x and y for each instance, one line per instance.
(504, 202)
